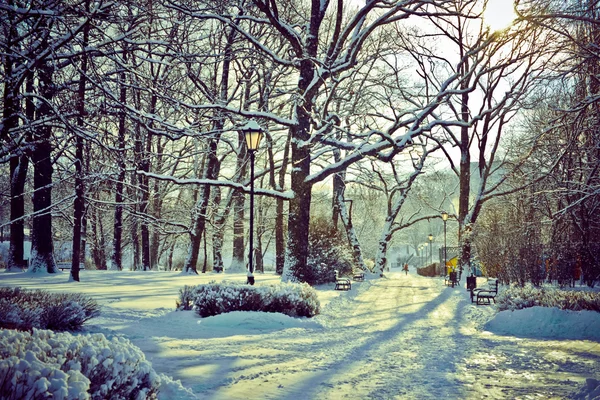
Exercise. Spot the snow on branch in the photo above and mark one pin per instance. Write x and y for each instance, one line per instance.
(287, 195)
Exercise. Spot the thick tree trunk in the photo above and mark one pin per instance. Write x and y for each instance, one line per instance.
(296, 267)
(42, 247)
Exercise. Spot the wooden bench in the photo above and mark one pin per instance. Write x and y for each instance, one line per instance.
(485, 294)
(67, 265)
(358, 276)
(342, 283)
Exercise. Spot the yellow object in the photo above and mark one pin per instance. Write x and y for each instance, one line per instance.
(451, 264)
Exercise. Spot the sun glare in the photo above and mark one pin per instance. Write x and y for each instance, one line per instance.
(499, 14)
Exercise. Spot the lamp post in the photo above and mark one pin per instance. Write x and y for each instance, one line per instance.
(444, 218)
(430, 248)
(253, 133)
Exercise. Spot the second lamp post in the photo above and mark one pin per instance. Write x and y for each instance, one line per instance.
(253, 134)
(444, 218)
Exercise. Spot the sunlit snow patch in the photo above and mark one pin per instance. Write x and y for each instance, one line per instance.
(255, 321)
(548, 323)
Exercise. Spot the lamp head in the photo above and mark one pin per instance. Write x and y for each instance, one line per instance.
(430, 237)
(253, 134)
(444, 215)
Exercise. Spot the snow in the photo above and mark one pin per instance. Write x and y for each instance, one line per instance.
(395, 337)
(547, 322)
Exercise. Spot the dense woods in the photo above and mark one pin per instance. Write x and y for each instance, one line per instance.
(121, 144)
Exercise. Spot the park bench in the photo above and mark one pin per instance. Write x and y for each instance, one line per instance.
(67, 265)
(342, 283)
(358, 276)
(485, 294)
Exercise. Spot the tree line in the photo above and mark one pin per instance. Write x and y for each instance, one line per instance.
(120, 124)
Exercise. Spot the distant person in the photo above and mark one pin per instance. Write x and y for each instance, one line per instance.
(406, 268)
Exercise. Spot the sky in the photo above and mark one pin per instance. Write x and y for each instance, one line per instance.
(402, 336)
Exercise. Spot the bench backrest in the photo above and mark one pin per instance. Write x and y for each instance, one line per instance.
(493, 285)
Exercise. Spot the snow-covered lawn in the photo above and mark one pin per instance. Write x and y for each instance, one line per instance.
(405, 337)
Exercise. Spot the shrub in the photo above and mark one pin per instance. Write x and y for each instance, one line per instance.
(328, 251)
(516, 298)
(45, 364)
(27, 309)
(295, 300)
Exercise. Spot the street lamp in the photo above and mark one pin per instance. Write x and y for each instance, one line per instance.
(430, 249)
(253, 133)
(445, 218)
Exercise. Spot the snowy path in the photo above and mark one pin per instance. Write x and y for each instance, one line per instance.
(405, 337)
(400, 337)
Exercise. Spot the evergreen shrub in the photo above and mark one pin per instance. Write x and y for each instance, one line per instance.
(328, 251)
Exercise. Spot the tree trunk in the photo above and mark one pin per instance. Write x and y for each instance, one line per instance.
(212, 165)
(296, 268)
(145, 189)
(18, 175)
(134, 224)
(117, 257)
(98, 245)
(351, 233)
(42, 247)
(237, 256)
(18, 163)
(211, 172)
(156, 209)
(280, 215)
(79, 205)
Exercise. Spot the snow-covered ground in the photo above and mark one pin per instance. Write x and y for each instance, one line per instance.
(404, 337)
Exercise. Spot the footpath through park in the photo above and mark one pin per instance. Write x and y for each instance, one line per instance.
(401, 337)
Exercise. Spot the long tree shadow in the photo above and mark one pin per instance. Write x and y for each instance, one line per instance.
(443, 361)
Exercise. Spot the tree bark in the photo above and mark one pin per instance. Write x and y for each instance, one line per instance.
(117, 257)
(18, 175)
(18, 162)
(79, 203)
(42, 247)
(212, 166)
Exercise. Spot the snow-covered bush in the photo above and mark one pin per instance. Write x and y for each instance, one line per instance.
(26, 309)
(295, 300)
(46, 364)
(515, 298)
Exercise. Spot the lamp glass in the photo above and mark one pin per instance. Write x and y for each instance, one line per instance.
(430, 237)
(444, 215)
(253, 138)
